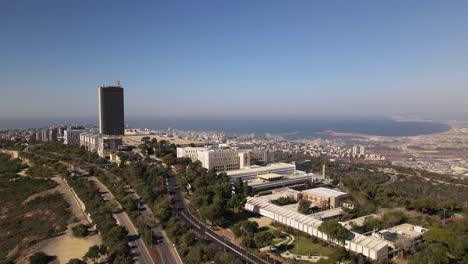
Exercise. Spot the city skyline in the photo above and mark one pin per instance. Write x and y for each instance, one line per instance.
(234, 59)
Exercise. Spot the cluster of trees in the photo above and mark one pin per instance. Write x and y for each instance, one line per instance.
(284, 201)
(66, 153)
(304, 206)
(444, 244)
(364, 183)
(39, 171)
(388, 219)
(160, 148)
(40, 258)
(80, 230)
(334, 230)
(213, 197)
(114, 237)
(252, 236)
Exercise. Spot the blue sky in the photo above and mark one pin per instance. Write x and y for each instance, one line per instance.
(234, 57)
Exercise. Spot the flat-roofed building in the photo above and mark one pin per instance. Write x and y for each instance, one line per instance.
(325, 197)
(71, 136)
(371, 247)
(190, 152)
(253, 172)
(400, 234)
(103, 145)
(217, 159)
(257, 156)
(224, 159)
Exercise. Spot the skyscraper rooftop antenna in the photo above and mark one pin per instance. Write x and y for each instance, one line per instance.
(118, 83)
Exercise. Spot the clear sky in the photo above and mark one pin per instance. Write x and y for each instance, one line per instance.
(234, 57)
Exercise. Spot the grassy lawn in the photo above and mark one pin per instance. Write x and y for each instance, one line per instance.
(305, 246)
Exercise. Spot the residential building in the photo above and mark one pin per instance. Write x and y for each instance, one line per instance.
(224, 159)
(362, 151)
(71, 136)
(189, 152)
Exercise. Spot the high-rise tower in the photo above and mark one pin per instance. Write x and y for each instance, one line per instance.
(111, 110)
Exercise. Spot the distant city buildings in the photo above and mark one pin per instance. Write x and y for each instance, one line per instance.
(359, 151)
(49, 134)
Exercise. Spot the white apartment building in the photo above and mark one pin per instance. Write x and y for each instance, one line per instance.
(103, 145)
(217, 159)
(72, 136)
(190, 152)
(224, 159)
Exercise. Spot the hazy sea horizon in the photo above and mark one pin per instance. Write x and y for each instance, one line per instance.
(291, 128)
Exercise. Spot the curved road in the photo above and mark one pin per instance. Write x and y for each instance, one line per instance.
(204, 231)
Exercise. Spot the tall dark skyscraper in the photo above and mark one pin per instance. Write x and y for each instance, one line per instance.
(111, 110)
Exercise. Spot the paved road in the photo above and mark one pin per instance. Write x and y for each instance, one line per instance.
(167, 251)
(139, 249)
(202, 230)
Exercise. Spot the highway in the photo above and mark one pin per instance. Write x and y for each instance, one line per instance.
(138, 247)
(204, 231)
(167, 251)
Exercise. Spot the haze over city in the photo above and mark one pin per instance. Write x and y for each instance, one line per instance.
(234, 58)
(233, 132)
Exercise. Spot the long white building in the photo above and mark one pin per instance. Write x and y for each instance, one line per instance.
(253, 171)
(217, 159)
(369, 246)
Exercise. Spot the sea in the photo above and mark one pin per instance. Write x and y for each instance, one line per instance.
(290, 128)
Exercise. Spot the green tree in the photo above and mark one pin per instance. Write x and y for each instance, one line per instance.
(333, 230)
(80, 230)
(226, 258)
(263, 239)
(248, 242)
(195, 255)
(40, 258)
(236, 202)
(304, 206)
(93, 253)
(188, 239)
(162, 210)
(239, 186)
(431, 254)
(76, 261)
(244, 228)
